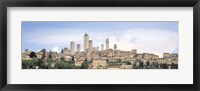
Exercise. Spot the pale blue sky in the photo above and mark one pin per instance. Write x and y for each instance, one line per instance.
(38, 35)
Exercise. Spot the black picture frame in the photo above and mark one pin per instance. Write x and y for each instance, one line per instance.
(99, 3)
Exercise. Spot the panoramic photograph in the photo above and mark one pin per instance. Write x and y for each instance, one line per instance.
(100, 45)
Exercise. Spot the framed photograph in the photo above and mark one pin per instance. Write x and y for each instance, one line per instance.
(99, 45)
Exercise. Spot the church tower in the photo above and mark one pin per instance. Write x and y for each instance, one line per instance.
(107, 43)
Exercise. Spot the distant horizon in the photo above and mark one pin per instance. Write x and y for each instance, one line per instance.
(146, 37)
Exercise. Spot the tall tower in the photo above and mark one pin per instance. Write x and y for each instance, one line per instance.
(134, 51)
(107, 43)
(78, 48)
(26, 51)
(72, 47)
(97, 48)
(90, 45)
(86, 42)
(102, 47)
(66, 51)
(115, 47)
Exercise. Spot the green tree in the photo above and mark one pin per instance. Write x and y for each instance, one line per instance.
(35, 60)
(62, 58)
(50, 55)
(119, 60)
(43, 51)
(85, 64)
(69, 66)
(62, 51)
(32, 54)
(73, 58)
(147, 63)
(129, 63)
(27, 64)
(40, 63)
(65, 65)
(49, 59)
(52, 65)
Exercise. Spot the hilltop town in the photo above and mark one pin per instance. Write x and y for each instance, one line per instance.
(96, 58)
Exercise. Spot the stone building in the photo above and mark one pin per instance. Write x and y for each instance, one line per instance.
(115, 47)
(86, 42)
(134, 51)
(150, 56)
(90, 45)
(102, 47)
(107, 44)
(99, 64)
(139, 56)
(66, 50)
(166, 55)
(175, 55)
(78, 48)
(97, 48)
(109, 58)
(25, 56)
(72, 48)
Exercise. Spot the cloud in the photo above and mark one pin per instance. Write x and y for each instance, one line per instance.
(144, 40)
(56, 39)
(147, 40)
(55, 49)
(133, 40)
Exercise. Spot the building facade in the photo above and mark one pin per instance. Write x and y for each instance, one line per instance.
(90, 45)
(107, 43)
(66, 50)
(102, 47)
(72, 48)
(97, 48)
(115, 47)
(78, 49)
(86, 42)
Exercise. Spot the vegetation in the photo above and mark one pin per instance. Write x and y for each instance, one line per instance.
(48, 63)
(85, 64)
(32, 54)
(62, 51)
(129, 63)
(43, 55)
(50, 55)
(27, 64)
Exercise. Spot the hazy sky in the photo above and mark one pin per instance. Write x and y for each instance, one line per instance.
(151, 37)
